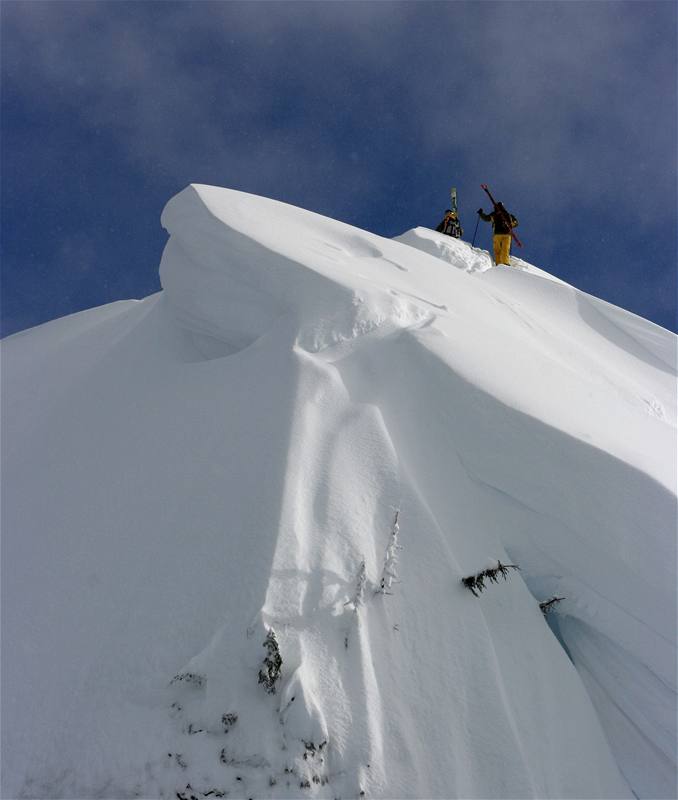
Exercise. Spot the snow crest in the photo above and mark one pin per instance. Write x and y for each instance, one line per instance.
(265, 261)
(237, 523)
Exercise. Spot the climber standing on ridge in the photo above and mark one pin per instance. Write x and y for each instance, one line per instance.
(451, 225)
(503, 223)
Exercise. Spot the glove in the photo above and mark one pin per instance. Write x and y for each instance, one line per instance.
(480, 211)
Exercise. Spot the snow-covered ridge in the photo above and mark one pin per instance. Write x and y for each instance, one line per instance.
(268, 262)
(227, 458)
(265, 260)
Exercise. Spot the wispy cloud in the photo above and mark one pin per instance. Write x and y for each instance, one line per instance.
(569, 108)
(539, 94)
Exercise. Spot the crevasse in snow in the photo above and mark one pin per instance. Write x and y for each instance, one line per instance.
(186, 473)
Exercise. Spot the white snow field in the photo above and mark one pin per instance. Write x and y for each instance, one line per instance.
(184, 474)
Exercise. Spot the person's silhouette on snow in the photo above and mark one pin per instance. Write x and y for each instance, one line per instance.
(503, 223)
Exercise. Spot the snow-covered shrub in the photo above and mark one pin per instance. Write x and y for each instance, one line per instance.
(194, 679)
(359, 596)
(389, 573)
(228, 721)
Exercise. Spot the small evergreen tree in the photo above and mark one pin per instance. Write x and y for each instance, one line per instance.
(358, 598)
(269, 673)
(477, 581)
(549, 605)
(390, 571)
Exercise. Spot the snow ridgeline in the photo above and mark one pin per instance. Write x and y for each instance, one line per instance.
(187, 474)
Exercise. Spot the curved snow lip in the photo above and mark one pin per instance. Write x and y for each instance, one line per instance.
(209, 266)
(263, 260)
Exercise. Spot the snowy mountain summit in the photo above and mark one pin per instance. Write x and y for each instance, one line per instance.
(238, 514)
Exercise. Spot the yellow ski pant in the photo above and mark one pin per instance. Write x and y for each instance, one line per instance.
(502, 248)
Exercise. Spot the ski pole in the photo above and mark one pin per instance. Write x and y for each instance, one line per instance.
(475, 231)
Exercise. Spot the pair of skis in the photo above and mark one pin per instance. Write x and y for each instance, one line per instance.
(485, 188)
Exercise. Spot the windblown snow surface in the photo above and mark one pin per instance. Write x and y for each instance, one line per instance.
(186, 473)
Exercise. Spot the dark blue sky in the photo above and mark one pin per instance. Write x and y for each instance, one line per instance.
(367, 112)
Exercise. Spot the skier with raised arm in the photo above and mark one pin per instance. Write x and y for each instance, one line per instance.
(503, 223)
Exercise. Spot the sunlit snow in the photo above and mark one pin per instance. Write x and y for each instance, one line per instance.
(183, 474)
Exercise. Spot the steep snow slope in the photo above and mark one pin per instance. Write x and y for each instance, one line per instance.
(185, 473)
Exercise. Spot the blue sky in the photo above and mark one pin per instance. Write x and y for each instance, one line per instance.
(365, 111)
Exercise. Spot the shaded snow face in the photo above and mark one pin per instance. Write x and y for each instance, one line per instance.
(238, 514)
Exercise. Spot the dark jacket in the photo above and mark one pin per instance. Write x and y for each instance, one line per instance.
(451, 226)
(502, 221)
